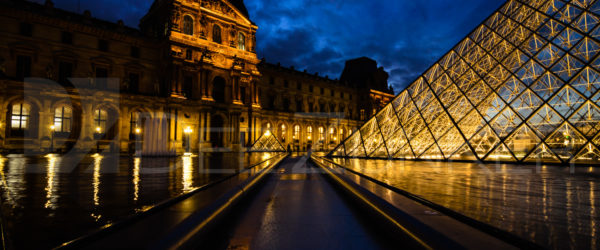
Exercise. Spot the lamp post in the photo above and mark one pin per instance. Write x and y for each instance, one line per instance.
(187, 131)
(138, 148)
(52, 138)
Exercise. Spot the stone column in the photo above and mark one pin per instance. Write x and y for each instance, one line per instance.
(255, 93)
(202, 80)
(207, 126)
(234, 89)
(201, 127)
(209, 86)
(238, 89)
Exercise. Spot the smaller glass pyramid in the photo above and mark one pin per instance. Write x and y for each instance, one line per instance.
(267, 143)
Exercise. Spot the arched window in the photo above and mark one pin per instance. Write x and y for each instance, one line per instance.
(332, 135)
(241, 41)
(342, 134)
(296, 134)
(321, 134)
(19, 120)
(188, 25)
(217, 34)
(266, 127)
(100, 117)
(283, 132)
(309, 132)
(63, 117)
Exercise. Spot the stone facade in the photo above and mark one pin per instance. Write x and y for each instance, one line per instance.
(187, 80)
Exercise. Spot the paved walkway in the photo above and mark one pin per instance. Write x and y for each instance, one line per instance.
(297, 209)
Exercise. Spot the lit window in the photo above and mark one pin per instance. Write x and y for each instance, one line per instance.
(296, 132)
(19, 116)
(188, 25)
(332, 135)
(216, 34)
(241, 41)
(62, 119)
(100, 120)
(321, 134)
(309, 132)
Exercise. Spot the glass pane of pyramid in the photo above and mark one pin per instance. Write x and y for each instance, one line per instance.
(524, 86)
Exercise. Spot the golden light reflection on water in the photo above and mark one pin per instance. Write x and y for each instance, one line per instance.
(187, 179)
(51, 182)
(83, 192)
(136, 177)
(96, 178)
(545, 204)
(5, 185)
(266, 156)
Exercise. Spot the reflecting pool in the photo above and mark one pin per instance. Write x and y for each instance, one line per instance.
(556, 207)
(48, 200)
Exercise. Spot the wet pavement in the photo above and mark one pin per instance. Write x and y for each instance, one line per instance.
(48, 200)
(299, 209)
(555, 207)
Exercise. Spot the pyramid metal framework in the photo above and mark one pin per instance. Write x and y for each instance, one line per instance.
(267, 143)
(522, 87)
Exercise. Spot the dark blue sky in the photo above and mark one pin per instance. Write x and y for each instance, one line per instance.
(404, 36)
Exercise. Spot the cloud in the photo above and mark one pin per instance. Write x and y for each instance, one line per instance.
(405, 37)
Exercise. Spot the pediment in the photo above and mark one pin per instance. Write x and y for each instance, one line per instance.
(225, 8)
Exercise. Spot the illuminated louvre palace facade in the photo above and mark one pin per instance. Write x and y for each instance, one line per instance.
(187, 80)
(522, 87)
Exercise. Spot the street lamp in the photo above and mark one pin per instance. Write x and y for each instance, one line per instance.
(98, 130)
(138, 147)
(187, 132)
(52, 137)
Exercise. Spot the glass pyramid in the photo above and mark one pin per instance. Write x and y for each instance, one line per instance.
(522, 87)
(267, 143)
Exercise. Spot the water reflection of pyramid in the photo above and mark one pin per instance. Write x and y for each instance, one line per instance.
(523, 86)
(267, 143)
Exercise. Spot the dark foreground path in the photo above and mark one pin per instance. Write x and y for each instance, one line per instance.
(297, 208)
